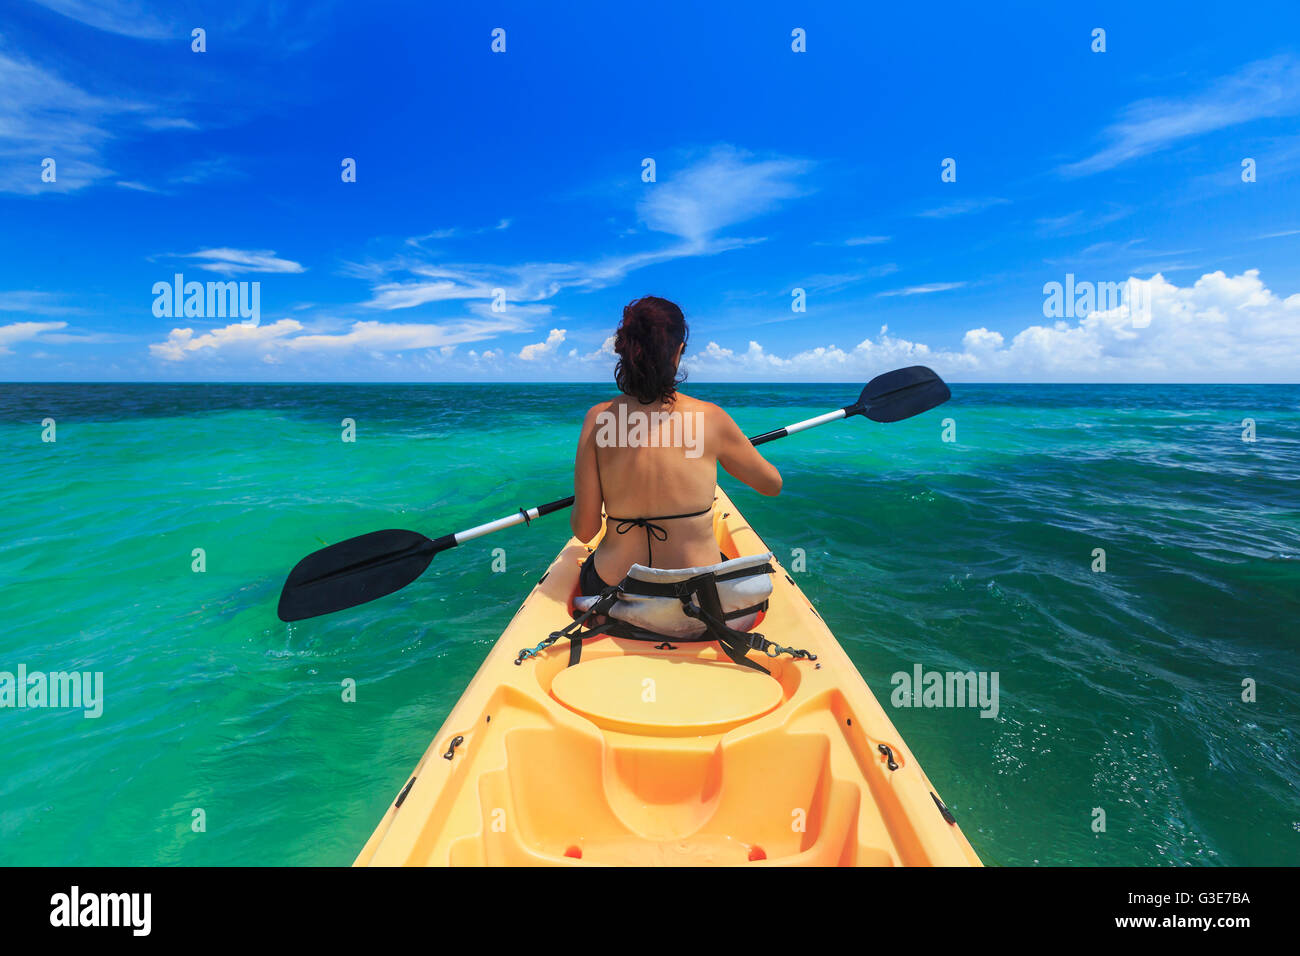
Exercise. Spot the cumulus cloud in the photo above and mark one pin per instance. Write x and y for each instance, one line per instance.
(289, 336)
(981, 339)
(1221, 329)
(182, 343)
(531, 353)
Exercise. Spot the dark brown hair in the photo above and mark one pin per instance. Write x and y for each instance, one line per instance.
(646, 343)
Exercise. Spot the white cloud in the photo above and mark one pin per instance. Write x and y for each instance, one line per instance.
(25, 332)
(606, 351)
(866, 240)
(231, 261)
(407, 295)
(981, 340)
(1260, 89)
(726, 187)
(531, 353)
(183, 343)
(1220, 329)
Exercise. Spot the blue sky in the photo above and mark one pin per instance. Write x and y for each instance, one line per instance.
(775, 171)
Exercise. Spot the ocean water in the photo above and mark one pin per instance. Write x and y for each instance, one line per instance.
(1119, 690)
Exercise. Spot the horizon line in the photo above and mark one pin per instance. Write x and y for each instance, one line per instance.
(588, 383)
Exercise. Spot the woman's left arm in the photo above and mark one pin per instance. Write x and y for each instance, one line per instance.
(587, 497)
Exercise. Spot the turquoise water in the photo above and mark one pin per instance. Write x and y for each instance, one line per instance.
(1120, 690)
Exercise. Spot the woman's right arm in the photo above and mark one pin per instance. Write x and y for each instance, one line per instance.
(742, 460)
(588, 500)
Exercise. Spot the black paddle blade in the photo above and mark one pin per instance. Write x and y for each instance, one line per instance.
(901, 394)
(353, 572)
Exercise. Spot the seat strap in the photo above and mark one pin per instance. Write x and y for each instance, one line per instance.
(573, 631)
(735, 644)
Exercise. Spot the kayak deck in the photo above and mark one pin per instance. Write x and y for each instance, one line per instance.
(667, 754)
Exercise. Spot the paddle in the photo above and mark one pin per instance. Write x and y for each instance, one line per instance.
(373, 565)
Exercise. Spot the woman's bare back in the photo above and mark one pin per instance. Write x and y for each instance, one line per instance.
(655, 460)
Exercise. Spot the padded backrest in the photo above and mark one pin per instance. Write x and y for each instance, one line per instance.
(663, 615)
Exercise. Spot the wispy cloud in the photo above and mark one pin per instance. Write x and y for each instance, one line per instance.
(834, 282)
(231, 261)
(1080, 221)
(924, 289)
(407, 282)
(727, 187)
(42, 115)
(454, 233)
(206, 171)
(25, 332)
(170, 122)
(724, 188)
(855, 241)
(963, 207)
(35, 303)
(124, 17)
(1261, 89)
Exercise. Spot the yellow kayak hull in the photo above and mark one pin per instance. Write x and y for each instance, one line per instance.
(667, 755)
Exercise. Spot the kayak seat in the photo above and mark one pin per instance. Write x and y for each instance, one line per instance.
(721, 602)
(646, 597)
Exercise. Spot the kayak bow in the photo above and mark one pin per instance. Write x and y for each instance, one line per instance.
(667, 755)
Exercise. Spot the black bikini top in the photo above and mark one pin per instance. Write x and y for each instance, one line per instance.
(652, 530)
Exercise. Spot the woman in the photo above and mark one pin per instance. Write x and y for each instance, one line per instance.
(650, 457)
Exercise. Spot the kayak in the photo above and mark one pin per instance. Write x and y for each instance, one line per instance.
(667, 754)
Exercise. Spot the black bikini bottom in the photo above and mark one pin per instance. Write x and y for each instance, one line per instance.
(589, 582)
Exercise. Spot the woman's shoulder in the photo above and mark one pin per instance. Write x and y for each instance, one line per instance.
(685, 403)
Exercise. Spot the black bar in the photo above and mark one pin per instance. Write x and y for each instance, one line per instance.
(768, 436)
(552, 506)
